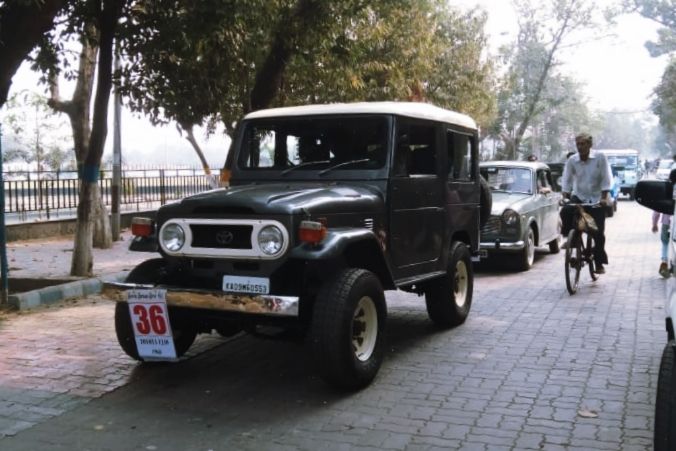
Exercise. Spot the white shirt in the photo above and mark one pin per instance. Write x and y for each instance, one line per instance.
(586, 179)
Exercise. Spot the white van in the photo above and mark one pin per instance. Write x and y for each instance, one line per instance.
(625, 164)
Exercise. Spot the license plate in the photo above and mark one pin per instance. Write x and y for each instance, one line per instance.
(250, 285)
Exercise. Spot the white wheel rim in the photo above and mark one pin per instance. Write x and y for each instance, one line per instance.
(531, 247)
(460, 285)
(364, 329)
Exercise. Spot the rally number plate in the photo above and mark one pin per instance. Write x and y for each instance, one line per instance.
(150, 321)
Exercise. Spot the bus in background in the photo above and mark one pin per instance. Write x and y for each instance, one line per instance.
(625, 165)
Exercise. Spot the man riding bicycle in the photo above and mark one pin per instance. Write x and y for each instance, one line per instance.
(587, 178)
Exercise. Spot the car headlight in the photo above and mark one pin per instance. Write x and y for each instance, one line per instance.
(173, 237)
(270, 240)
(510, 217)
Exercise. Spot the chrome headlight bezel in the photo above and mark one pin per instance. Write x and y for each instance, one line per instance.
(172, 237)
(270, 240)
(510, 217)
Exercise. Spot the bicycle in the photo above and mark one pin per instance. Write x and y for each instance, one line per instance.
(579, 249)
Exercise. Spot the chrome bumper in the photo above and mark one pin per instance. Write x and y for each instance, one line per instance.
(498, 245)
(211, 300)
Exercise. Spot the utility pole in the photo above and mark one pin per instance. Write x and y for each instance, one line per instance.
(117, 158)
(4, 271)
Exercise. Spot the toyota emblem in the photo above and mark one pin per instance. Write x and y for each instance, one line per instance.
(224, 237)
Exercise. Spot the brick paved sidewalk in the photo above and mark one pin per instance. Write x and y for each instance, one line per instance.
(532, 368)
(51, 257)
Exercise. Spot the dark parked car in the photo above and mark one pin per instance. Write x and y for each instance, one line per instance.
(525, 211)
(329, 205)
(658, 195)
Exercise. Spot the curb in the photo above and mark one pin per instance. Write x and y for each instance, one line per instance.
(57, 293)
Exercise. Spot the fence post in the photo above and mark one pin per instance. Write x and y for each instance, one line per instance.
(163, 194)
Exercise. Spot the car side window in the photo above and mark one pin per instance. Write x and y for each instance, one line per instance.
(543, 182)
(459, 148)
(415, 150)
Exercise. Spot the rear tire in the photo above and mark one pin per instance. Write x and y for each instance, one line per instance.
(347, 334)
(449, 298)
(555, 244)
(665, 403)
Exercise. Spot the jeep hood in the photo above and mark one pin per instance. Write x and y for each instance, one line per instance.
(503, 201)
(279, 199)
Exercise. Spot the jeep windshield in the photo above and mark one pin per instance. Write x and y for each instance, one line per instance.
(289, 146)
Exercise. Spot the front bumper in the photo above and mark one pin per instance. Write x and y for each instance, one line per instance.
(211, 300)
(502, 246)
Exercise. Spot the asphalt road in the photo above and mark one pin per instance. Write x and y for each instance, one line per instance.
(532, 368)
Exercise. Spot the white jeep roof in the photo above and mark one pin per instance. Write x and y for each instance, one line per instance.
(409, 109)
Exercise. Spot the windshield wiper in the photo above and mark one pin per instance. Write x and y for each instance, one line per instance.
(344, 163)
(302, 165)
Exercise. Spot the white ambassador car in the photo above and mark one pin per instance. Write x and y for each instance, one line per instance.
(658, 195)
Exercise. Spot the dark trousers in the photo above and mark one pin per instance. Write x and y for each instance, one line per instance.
(599, 214)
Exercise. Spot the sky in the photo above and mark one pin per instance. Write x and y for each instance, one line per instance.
(618, 72)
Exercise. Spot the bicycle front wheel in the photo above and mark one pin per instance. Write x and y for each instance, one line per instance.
(589, 253)
(573, 261)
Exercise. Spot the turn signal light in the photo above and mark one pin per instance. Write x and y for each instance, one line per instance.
(141, 226)
(312, 232)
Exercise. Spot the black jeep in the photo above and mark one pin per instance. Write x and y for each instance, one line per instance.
(328, 206)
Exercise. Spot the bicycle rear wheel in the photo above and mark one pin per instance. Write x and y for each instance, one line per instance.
(589, 256)
(573, 261)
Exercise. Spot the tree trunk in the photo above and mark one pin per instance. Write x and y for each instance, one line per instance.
(77, 109)
(82, 262)
(22, 25)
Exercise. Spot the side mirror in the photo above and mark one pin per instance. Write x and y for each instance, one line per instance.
(656, 195)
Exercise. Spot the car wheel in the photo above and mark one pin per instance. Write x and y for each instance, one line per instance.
(148, 272)
(347, 334)
(665, 404)
(527, 256)
(183, 336)
(449, 298)
(555, 244)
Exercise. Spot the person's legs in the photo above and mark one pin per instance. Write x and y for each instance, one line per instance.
(664, 238)
(600, 256)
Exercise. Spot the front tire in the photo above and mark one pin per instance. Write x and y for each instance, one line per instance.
(573, 261)
(665, 404)
(527, 256)
(347, 335)
(449, 298)
(148, 272)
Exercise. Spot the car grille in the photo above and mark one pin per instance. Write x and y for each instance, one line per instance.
(492, 227)
(221, 236)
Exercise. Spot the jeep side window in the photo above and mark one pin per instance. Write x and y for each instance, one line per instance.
(459, 156)
(416, 150)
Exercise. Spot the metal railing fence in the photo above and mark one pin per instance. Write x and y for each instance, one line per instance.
(49, 192)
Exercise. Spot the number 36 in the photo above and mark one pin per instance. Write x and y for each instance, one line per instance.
(150, 320)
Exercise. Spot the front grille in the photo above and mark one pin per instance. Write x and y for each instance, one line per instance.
(221, 236)
(492, 226)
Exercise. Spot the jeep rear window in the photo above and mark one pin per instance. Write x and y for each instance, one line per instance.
(310, 144)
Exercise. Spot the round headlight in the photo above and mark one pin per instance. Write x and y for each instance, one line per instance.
(270, 240)
(510, 217)
(173, 237)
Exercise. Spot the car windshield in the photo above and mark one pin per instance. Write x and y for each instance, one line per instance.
(299, 144)
(665, 164)
(628, 161)
(511, 180)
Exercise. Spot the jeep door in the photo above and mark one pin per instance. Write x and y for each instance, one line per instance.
(462, 186)
(416, 198)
